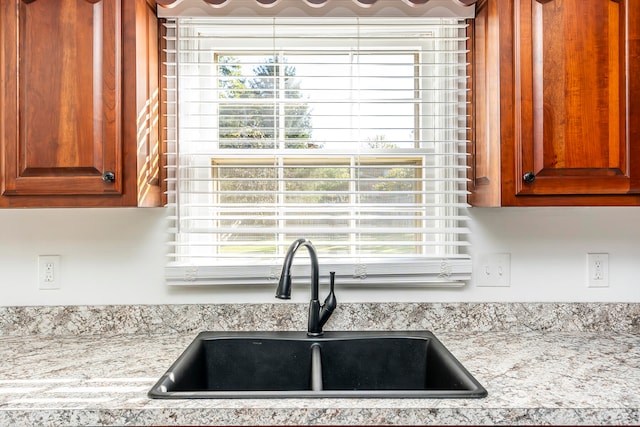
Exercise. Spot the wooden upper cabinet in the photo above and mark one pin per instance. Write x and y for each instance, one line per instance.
(568, 104)
(80, 91)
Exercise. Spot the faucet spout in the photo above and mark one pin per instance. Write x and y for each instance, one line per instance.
(318, 314)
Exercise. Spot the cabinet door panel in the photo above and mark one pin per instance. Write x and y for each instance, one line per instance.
(67, 96)
(570, 78)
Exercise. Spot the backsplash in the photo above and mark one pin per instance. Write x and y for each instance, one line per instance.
(436, 317)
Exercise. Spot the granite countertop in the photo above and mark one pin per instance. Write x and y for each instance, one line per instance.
(572, 371)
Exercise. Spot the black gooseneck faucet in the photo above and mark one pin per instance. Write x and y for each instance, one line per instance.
(318, 314)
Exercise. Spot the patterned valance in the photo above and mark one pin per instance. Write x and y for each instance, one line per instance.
(295, 8)
(315, 3)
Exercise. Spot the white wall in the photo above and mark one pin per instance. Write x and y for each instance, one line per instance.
(116, 256)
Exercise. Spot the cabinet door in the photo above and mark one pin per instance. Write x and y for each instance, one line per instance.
(61, 67)
(572, 116)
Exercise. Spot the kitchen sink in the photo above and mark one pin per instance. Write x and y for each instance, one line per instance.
(390, 364)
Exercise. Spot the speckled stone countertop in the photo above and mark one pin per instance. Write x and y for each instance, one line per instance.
(541, 364)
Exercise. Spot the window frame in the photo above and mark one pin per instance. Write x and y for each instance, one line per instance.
(451, 270)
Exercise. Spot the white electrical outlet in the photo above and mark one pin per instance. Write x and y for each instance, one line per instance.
(598, 270)
(49, 272)
(493, 270)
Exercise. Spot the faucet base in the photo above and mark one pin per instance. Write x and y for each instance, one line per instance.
(314, 329)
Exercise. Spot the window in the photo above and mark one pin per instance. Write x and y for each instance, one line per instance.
(350, 132)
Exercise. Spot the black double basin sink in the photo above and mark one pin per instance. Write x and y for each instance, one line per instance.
(358, 364)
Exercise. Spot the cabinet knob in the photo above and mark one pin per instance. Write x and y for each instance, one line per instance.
(529, 177)
(108, 176)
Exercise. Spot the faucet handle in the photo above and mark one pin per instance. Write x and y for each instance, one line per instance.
(330, 302)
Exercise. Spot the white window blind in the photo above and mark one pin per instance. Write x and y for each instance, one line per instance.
(349, 132)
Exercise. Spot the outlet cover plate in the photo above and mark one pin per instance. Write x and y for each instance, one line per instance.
(49, 272)
(598, 270)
